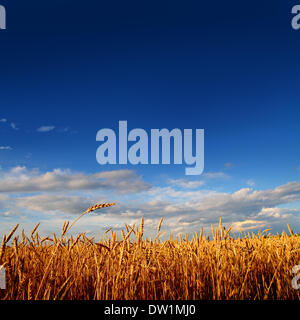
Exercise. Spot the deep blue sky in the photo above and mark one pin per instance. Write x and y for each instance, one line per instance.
(230, 67)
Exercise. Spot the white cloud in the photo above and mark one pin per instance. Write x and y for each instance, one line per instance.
(5, 148)
(193, 184)
(171, 194)
(3, 120)
(45, 128)
(185, 209)
(246, 208)
(283, 213)
(247, 225)
(53, 203)
(20, 179)
(188, 184)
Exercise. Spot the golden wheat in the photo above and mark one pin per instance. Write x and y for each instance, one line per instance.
(251, 266)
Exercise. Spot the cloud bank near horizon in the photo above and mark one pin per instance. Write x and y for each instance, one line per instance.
(21, 180)
(185, 205)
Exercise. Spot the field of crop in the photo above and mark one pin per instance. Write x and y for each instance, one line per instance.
(252, 266)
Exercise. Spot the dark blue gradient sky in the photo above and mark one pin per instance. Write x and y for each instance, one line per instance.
(229, 67)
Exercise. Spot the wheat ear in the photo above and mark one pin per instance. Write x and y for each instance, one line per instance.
(90, 209)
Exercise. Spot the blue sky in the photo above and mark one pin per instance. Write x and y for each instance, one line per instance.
(68, 70)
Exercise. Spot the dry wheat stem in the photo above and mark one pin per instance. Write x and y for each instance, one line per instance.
(90, 209)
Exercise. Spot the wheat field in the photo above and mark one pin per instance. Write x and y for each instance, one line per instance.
(131, 266)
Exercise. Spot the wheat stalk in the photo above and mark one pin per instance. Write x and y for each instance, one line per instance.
(12, 232)
(159, 224)
(290, 230)
(90, 209)
(142, 227)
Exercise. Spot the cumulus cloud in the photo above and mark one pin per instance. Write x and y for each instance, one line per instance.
(20, 179)
(184, 207)
(246, 202)
(247, 225)
(53, 203)
(245, 209)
